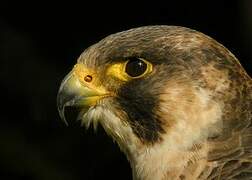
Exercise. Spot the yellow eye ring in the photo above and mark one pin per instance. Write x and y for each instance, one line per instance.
(137, 67)
(132, 68)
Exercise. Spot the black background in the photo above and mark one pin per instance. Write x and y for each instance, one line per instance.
(39, 44)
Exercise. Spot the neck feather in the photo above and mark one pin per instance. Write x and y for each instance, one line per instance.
(161, 164)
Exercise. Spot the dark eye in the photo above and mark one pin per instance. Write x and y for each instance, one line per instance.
(135, 67)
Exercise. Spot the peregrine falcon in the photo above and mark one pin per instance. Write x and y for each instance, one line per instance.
(177, 102)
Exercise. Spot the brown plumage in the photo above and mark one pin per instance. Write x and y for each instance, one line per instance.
(178, 103)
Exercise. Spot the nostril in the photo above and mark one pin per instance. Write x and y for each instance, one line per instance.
(88, 78)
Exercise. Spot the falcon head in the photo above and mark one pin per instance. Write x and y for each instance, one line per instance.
(166, 94)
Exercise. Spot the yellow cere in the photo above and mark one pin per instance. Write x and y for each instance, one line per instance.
(81, 71)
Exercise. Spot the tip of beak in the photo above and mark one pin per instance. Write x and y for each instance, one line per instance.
(61, 109)
(62, 115)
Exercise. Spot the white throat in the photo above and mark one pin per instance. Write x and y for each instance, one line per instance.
(162, 163)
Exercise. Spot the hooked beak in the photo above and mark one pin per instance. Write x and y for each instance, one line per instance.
(74, 93)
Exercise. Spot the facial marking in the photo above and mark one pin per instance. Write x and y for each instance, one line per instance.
(139, 99)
